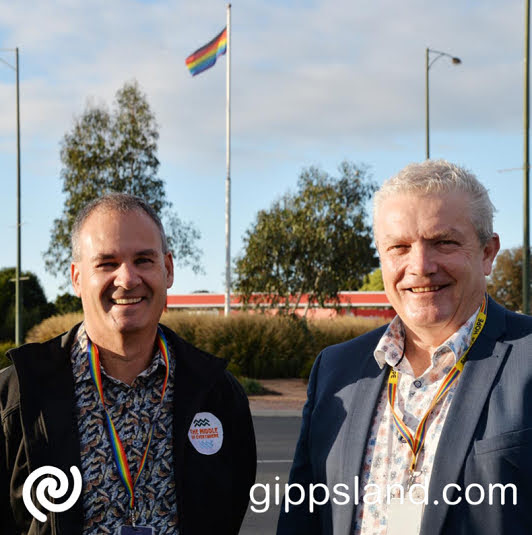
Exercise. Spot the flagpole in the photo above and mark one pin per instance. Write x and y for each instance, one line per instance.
(227, 304)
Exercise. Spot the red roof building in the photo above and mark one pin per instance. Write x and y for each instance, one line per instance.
(368, 304)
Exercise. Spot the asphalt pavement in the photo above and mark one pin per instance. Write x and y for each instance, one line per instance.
(276, 441)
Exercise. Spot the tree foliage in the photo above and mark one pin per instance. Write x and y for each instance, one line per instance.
(116, 151)
(316, 241)
(373, 282)
(66, 303)
(35, 307)
(505, 283)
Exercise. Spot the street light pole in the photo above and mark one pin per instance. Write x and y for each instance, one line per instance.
(18, 288)
(428, 65)
(526, 169)
(227, 299)
(427, 129)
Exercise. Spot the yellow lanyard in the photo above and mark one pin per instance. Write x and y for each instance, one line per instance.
(416, 442)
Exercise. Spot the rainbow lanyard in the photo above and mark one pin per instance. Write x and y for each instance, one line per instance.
(119, 453)
(416, 442)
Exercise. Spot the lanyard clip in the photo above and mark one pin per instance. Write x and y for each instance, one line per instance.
(414, 474)
(132, 516)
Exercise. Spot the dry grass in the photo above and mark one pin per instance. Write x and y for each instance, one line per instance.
(4, 348)
(256, 345)
(53, 326)
(264, 346)
(332, 331)
(259, 346)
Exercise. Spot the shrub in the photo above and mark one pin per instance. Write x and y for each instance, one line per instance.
(331, 331)
(54, 326)
(260, 346)
(252, 387)
(264, 346)
(4, 348)
(256, 345)
(327, 332)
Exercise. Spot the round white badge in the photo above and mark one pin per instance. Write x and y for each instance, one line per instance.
(206, 433)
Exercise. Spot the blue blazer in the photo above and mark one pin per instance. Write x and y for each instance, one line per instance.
(486, 438)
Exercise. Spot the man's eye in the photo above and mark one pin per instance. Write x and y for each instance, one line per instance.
(144, 260)
(106, 265)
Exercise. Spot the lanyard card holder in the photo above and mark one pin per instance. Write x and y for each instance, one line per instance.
(137, 530)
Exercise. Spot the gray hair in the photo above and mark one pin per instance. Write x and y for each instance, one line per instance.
(117, 202)
(441, 176)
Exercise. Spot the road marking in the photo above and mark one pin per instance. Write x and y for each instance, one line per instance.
(274, 461)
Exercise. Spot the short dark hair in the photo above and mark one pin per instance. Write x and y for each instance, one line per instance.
(118, 202)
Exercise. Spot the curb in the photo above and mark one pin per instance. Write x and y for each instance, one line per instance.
(278, 413)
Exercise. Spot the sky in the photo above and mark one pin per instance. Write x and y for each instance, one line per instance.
(313, 83)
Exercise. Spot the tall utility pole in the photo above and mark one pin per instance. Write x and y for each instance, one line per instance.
(427, 108)
(526, 170)
(18, 287)
(428, 65)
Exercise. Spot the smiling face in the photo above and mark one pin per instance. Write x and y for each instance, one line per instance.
(433, 264)
(122, 274)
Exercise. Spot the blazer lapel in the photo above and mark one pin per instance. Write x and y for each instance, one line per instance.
(479, 372)
(363, 395)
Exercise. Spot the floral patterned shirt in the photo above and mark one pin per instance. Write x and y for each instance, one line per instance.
(388, 456)
(132, 409)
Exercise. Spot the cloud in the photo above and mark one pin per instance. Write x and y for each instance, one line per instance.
(306, 72)
(312, 82)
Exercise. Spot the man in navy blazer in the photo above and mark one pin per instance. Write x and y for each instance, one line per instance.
(423, 426)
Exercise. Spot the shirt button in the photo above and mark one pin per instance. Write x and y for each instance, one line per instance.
(418, 384)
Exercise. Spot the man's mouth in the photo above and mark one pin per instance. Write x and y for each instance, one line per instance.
(127, 301)
(424, 289)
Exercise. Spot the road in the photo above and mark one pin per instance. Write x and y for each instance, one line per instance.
(276, 442)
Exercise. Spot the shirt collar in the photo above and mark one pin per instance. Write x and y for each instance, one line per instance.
(390, 348)
(80, 362)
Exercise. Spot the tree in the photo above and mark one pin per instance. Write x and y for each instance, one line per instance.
(35, 307)
(373, 282)
(505, 283)
(116, 151)
(316, 241)
(66, 302)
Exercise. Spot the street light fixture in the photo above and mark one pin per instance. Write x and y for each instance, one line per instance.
(18, 294)
(428, 65)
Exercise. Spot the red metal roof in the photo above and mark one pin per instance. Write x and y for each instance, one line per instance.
(208, 300)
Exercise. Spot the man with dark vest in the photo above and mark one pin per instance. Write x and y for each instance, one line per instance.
(155, 435)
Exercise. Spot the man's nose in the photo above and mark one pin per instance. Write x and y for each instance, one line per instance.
(422, 260)
(127, 276)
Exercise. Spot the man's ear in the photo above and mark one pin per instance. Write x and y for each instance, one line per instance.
(75, 277)
(169, 266)
(490, 252)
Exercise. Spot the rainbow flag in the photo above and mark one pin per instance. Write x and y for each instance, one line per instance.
(205, 57)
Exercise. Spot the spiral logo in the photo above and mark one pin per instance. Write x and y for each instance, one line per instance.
(49, 484)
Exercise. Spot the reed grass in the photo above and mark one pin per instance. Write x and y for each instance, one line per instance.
(257, 345)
